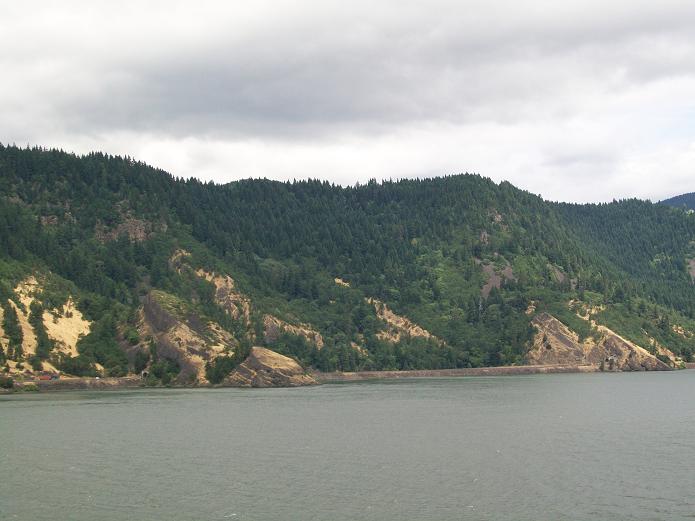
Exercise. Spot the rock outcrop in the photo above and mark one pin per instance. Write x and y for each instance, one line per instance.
(623, 355)
(266, 368)
(273, 327)
(182, 336)
(235, 303)
(495, 276)
(555, 343)
(398, 326)
(64, 325)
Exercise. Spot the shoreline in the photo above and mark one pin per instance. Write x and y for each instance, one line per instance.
(135, 382)
(507, 370)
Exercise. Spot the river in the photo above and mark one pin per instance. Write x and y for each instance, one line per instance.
(535, 447)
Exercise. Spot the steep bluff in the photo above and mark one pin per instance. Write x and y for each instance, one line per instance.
(186, 340)
(555, 343)
(398, 326)
(266, 368)
(273, 327)
(64, 326)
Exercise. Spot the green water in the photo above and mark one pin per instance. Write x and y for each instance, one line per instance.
(542, 447)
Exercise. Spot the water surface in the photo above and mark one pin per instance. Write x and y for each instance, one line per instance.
(536, 447)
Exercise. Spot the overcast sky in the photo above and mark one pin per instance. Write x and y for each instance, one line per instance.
(575, 100)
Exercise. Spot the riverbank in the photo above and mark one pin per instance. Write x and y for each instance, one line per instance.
(440, 373)
(132, 382)
(68, 383)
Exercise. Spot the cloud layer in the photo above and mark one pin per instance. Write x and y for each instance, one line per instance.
(579, 101)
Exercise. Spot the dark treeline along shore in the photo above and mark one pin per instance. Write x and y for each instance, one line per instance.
(109, 267)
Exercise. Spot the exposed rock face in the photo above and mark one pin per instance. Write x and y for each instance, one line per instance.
(266, 368)
(273, 327)
(397, 325)
(239, 306)
(65, 326)
(28, 337)
(136, 230)
(341, 282)
(495, 277)
(189, 342)
(178, 259)
(555, 343)
(236, 304)
(623, 355)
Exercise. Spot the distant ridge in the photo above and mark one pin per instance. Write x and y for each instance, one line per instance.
(686, 201)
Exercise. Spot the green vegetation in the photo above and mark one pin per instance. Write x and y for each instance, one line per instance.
(220, 367)
(43, 343)
(684, 202)
(13, 331)
(165, 370)
(106, 227)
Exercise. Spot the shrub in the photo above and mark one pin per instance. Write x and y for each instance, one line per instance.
(140, 361)
(35, 362)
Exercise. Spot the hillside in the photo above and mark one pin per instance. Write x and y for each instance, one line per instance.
(111, 267)
(684, 201)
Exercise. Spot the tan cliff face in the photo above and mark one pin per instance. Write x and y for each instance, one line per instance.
(239, 306)
(177, 260)
(235, 303)
(341, 282)
(227, 296)
(398, 326)
(65, 325)
(28, 336)
(555, 343)
(188, 341)
(266, 368)
(273, 327)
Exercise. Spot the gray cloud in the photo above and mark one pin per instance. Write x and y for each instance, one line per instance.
(539, 93)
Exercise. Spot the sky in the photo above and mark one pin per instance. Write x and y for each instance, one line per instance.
(573, 100)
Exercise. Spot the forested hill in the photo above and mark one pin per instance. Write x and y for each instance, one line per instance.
(685, 201)
(445, 272)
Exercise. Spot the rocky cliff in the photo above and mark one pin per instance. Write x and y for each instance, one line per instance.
(555, 343)
(64, 326)
(183, 337)
(266, 368)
